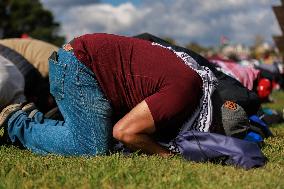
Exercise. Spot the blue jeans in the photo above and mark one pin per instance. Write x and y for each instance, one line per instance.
(87, 126)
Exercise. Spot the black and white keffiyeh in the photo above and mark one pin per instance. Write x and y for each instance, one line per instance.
(202, 117)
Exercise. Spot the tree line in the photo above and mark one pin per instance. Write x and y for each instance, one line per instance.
(28, 17)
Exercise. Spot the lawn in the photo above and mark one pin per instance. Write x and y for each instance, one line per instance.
(22, 169)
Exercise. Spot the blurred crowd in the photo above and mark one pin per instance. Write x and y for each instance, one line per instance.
(259, 69)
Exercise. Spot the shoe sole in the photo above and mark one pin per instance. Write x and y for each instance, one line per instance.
(29, 107)
(6, 112)
(33, 113)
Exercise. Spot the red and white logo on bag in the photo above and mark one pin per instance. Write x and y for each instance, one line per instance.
(230, 105)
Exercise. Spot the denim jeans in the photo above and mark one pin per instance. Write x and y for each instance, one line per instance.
(87, 126)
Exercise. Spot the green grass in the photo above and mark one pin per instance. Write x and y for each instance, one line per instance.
(22, 169)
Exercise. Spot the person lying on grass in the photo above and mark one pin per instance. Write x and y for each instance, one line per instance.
(30, 57)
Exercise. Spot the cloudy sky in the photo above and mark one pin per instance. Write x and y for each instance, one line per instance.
(202, 21)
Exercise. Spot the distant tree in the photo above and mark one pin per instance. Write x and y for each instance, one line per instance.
(170, 40)
(258, 41)
(257, 49)
(18, 17)
(196, 47)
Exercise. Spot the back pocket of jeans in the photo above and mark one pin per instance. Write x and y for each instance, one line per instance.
(57, 72)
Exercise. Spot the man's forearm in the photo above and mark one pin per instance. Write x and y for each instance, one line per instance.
(135, 128)
(147, 145)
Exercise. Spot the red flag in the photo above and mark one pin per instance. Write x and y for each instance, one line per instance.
(24, 35)
(224, 40)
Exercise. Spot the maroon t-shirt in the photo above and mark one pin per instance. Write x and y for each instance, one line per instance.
(131, 70)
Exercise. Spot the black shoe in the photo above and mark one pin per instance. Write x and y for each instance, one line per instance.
(4, 118)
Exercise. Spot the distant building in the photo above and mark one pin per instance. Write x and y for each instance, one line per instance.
(279, 40)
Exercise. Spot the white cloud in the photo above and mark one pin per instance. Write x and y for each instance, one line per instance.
(101, 18)
(67, 3)
(203, 21)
